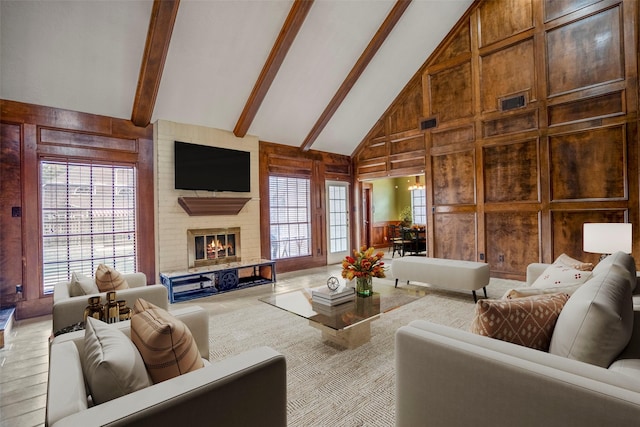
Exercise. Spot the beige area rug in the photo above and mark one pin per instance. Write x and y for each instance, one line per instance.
(327, 385)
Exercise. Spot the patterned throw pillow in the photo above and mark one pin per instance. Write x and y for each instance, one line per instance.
(574, 263)
(111, 363)
(165, 343)
(563, 272)
(527, 321)
(109, 279)
(82, 285)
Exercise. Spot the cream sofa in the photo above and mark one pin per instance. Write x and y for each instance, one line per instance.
(246, 389)
(451, 377)
(68, 310)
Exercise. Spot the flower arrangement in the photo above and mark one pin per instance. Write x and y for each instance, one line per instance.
(363, 264)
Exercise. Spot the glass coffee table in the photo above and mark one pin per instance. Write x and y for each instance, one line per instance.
(348, 324)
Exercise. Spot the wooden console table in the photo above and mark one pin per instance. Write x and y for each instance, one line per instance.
(211, 280)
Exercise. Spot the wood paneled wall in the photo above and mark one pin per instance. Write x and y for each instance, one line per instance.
(283, 160)
(536, 131)
(31, 132)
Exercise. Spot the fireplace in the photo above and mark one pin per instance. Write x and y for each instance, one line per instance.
(212, 246)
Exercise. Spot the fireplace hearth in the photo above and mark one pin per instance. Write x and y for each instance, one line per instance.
(213, 246)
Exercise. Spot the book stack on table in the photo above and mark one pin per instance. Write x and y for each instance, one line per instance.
(328, 297)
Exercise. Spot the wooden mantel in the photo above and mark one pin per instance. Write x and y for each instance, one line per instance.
(198, 206)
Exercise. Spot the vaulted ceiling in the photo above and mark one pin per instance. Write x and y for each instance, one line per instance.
(312, 74)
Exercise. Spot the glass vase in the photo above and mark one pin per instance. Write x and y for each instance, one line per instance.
(364, 286)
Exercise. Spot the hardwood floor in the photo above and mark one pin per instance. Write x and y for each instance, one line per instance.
(24, 363)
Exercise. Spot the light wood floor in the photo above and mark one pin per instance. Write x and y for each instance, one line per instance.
(24, 359)
(24, 363)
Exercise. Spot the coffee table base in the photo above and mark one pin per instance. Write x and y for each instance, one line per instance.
(351, 337)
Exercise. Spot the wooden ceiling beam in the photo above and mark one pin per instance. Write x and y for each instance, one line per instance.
(372, 48)
(163, 17)
(288, 33)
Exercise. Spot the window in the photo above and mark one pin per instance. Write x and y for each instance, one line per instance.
(88, 218)
(419, 206)
(290, 217)
(338, 218)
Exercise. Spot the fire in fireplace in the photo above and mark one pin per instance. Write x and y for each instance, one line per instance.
(213, 246)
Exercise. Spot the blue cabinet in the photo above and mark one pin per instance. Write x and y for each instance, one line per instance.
(206, 281)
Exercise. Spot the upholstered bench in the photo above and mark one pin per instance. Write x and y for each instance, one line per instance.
(443, 273)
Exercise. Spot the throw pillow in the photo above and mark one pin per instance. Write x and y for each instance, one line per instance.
(82, 285)
(529, 291)
(574, 263)
(111, 364)
(525, 321)
(562, 273)
(109, 279)
(597, 321)
(165, 343)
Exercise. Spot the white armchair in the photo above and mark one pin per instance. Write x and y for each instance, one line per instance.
(245, 389)
(68, 310)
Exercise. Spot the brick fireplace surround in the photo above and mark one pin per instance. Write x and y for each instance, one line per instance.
(173, 222)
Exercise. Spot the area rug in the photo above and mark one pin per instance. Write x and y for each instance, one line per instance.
(328, 385)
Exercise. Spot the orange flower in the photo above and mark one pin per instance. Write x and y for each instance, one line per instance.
(363, 264)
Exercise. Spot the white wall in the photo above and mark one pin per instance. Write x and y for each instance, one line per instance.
(172, 221)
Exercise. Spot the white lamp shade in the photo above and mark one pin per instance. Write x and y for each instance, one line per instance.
(607, 238)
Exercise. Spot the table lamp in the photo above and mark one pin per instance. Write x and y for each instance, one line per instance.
(607, 238)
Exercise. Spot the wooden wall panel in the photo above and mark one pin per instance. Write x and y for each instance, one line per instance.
(406, 114)
(511, 172)
(567, 230)
(505, 72)
(570, 146)
(499, 21)
(557, 8)
(505, 228)
(589, 165)
(510, 124)
(455, 236)
(451, 94)
(10, 226)
(460, 44)
(607, 105)
(75, 139)
(454, 178)
(411, 144)
(452, 136)
(586, 52)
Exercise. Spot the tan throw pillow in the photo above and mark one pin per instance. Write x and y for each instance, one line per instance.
(165, 343)
(109, 279)
(562, 273)
(111, 364)
(597, 321)
(82, 285)
(529, 291)
(525, 321)
(574, 263)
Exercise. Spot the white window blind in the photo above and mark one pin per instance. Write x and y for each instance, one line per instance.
(88, 218)
(290, 218)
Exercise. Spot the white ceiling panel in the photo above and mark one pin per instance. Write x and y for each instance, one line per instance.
(217, 51)
(82, 56)
(332, 39)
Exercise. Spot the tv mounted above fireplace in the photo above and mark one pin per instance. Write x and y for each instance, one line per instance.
(202, 167)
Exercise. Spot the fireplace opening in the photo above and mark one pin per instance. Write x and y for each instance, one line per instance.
(213, 246)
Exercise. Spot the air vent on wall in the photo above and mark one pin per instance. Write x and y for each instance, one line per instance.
(428, 123)
(512, 102)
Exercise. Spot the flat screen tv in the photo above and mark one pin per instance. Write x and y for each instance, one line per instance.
(201, 167)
